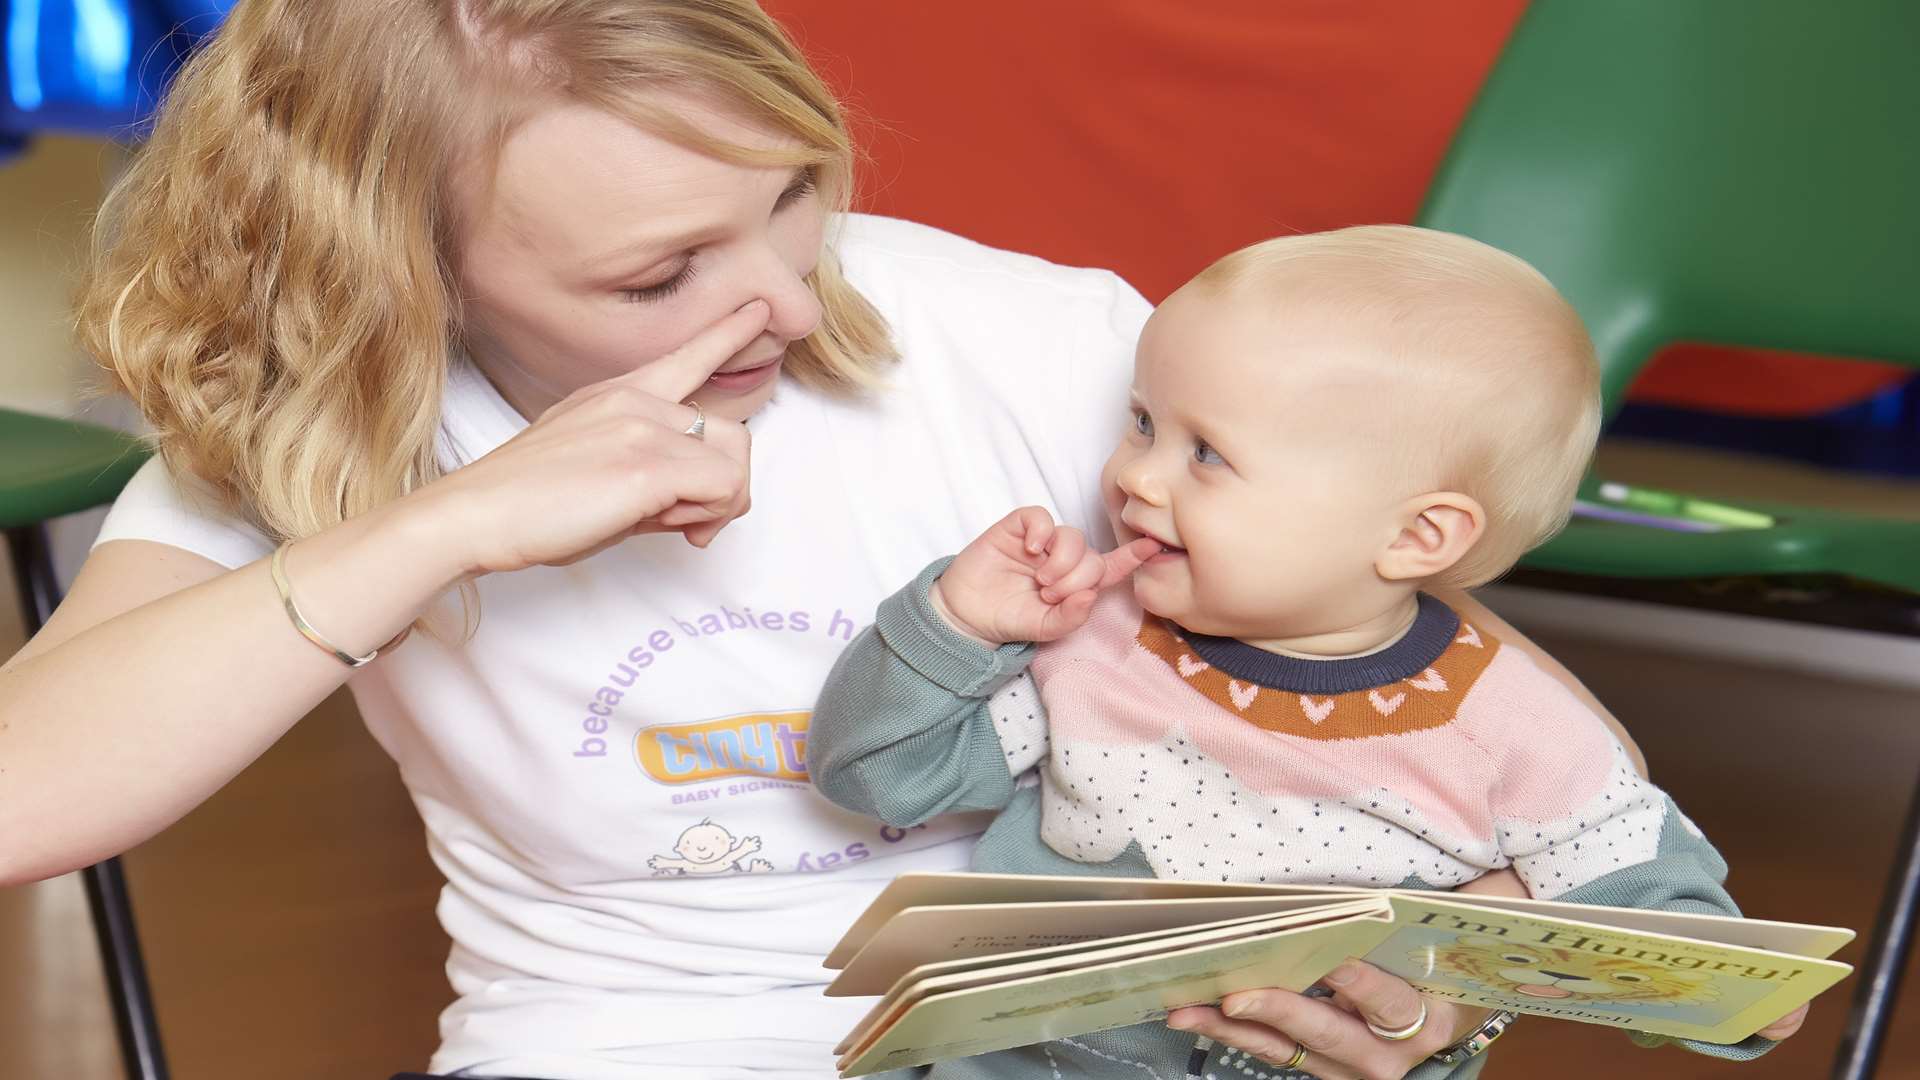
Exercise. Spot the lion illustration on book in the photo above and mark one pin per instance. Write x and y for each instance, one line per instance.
(1550, 974)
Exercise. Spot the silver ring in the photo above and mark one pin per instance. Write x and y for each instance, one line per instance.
(1404, 1033)
(697, 429)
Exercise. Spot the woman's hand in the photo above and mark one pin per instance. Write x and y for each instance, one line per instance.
(1027, 579)
(1273, 1024)
(609, 461)
(1787, 1026)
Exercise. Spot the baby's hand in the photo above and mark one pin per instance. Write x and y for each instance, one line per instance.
(1026, 579)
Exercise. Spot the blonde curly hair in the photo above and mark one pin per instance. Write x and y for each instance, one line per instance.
(273, 281)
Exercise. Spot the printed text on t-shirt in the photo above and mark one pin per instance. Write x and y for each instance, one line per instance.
(706, 625)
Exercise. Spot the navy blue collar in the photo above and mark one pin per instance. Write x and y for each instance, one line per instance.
(1434, 629)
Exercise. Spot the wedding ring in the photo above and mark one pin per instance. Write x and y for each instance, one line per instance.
(697, 429)
(1299, 1055)
(1404, 1033)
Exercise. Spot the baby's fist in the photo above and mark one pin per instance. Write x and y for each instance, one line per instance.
(1026, 579)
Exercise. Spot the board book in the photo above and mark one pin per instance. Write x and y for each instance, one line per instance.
(971, 963)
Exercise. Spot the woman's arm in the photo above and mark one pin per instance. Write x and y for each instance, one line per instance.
(1475, 612)
(162, 675)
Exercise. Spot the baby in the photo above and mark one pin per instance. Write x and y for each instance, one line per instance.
(1324, 429)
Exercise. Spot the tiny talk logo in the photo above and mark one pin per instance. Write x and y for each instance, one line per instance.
(772, 745)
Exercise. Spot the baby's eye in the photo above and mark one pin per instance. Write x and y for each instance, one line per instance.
(1207, 455)
(1142, 423)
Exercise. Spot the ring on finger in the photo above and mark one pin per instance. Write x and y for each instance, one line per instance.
(1402, 1034)
(697, 429)
(1299, 1056)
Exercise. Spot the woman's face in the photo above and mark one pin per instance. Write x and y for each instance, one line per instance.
(602, 247)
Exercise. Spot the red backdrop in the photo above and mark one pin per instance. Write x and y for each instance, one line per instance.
(1152, 136)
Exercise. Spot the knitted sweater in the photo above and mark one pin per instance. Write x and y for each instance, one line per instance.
(1138, 748)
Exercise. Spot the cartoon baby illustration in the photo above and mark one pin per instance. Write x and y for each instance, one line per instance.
(1544, 973)
(706, 849)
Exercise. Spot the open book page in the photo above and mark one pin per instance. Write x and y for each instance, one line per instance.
(1599, 974)
(996, 963)
(925, 935)
(927, 889)
(933, 979)
(981, 1019)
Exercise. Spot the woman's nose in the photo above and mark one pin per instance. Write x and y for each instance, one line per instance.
(796, 311)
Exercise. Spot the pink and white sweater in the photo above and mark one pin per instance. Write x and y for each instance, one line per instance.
(1437, 760)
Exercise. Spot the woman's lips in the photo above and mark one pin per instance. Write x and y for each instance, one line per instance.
(745, 378)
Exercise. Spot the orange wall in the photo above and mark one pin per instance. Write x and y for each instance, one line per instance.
(1153, 136)
(1150, 136)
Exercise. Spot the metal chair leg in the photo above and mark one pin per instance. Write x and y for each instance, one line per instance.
(1885, 960)
(32, 558)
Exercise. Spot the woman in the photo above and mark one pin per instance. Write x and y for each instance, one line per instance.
(483, 293)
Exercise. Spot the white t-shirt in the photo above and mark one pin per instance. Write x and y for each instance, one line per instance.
(640, 881)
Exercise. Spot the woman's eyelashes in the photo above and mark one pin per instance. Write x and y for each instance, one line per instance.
(650, 293)
(803, 185)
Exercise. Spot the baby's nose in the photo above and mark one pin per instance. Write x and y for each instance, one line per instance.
(1139, 481)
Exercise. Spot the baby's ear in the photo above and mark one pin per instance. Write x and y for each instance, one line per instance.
(1436, 530)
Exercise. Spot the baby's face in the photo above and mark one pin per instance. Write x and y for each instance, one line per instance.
(702, 843)
(1260, 454)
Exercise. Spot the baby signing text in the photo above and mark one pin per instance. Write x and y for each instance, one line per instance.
(771, 745)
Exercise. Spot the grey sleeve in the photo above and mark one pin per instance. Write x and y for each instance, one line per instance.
(902, 730)
(1685, 874)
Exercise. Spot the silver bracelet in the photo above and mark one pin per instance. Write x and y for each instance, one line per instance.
(1476, 1041)
(279, 569)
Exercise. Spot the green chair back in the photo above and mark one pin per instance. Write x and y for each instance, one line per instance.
(49, 467)
(1743, 172)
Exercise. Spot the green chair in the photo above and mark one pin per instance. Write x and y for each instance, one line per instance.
(50, 468)
(1732, 171)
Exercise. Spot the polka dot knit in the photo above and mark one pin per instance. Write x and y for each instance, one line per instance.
(1433, 761)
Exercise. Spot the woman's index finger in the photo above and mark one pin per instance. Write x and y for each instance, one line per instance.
(675, 376)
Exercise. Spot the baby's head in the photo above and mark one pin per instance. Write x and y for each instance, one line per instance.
(1326, 423)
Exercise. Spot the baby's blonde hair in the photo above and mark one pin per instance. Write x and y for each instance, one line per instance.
(1465, 325)
(273, 281)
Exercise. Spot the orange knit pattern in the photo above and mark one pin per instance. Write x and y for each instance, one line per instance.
(1427, 700)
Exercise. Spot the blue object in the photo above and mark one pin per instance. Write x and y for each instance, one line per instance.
(1879, 435)
(93, 67)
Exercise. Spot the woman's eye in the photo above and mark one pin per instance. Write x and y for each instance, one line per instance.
(1207, 455)
(1143, 424)
(802, 187)
(650, 293)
